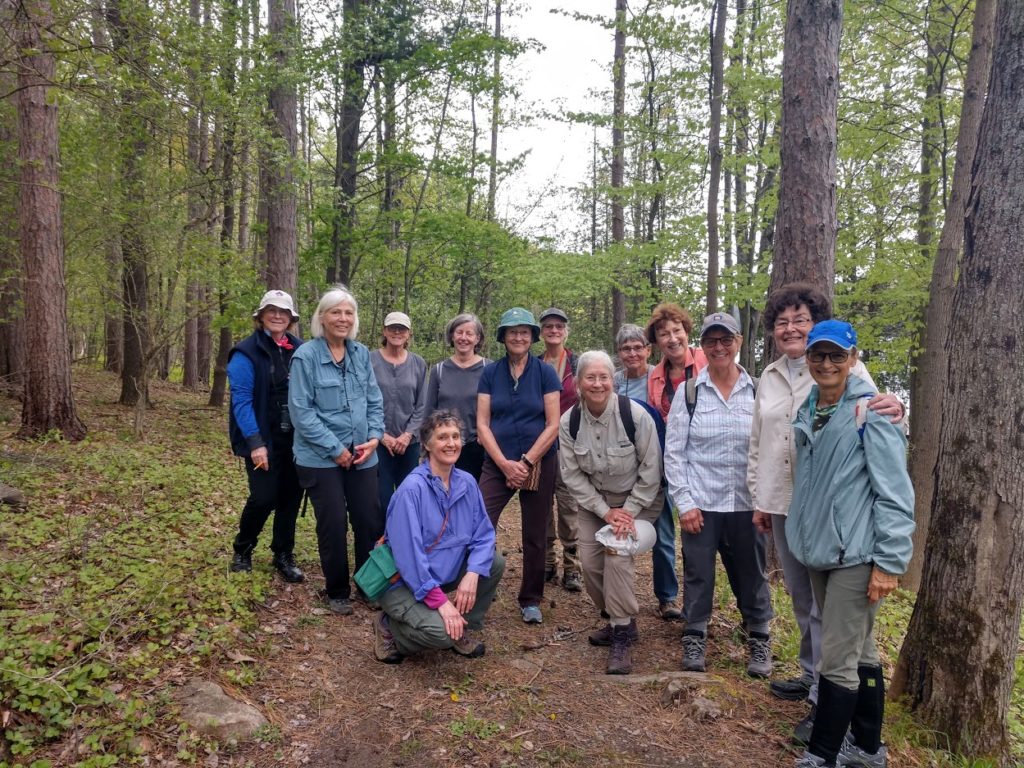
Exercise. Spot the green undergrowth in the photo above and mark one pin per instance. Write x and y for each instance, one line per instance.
(114, 581)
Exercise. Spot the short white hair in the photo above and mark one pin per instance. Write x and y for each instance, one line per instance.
(337, 294)
(594, 357)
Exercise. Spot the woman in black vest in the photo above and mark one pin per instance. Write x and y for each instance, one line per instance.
(261, 433)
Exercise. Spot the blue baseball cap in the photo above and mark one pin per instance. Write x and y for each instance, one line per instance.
(839, 332)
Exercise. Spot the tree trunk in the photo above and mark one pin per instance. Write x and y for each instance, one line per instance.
(282, 197)
(11, 322)
(928, 382)
(48, 403)
(805, 226)
(957, 661)
(492, 177)
(190, 359)
(618, 158)
(718, 18)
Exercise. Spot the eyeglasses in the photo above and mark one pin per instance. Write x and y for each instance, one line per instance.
(552, 326)
(518, 332)
(836, 357)
(712, 342)
(632, 349)
(797, 322)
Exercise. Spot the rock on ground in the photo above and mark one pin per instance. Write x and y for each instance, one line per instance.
(211, 712)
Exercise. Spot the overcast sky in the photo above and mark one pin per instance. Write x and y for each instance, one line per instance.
(568, 74)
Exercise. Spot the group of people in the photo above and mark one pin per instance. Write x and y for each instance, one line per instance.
(426, 460)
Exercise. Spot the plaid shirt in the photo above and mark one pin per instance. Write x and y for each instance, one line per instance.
(706, 457)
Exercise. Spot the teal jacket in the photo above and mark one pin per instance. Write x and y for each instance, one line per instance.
(333, 408)
(853, 502)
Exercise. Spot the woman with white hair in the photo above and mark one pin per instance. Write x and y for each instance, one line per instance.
(338, 413)
(610, 459)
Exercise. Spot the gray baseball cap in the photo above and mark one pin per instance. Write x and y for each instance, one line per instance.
(720, 320)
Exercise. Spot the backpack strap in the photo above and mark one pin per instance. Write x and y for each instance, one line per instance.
(574, 421)
(691, 396)
(626, 415)
(860, 414)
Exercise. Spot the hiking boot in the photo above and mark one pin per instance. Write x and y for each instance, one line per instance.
(340, 605)
(794, 689)
(384, 648)
(694, 647)
(241, 562)
(361, 596)
(760, 647)
(285, 565)
(603, 636)
(571, 582)
(469, 645)
(620, 660)
(807, 760)
(669, 610)
(549, 573)
(532, 614)
(802, 731)
(853, 756)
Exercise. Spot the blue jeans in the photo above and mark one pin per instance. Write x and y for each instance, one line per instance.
(392, 470)
(666, 583)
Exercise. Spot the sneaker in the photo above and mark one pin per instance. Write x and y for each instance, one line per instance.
(802, 732)
(340, 605)
(603, 636)
(384, 648)
(241, 563)
(620, 660)
(853, 756)
(669, 610)
(760, 647)
(469, 645)
(807, 760)
(794, 689)
(571, 582)
(285, 565)
(532, 614)
(694, 646)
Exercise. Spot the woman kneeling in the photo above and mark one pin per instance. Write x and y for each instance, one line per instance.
(611, 465)
(442, 541)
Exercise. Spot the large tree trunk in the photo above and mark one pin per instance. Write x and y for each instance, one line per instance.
(928, 382)
(190, 358)
(492, 171)
(719, 13)
(48, 403)
(805, 226)
(618, 152)
(957, 662)
(282, 196)
(11, 328)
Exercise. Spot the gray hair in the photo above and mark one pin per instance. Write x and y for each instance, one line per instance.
(594, 357)
(629, 332)
(337, 294)
(465, 317)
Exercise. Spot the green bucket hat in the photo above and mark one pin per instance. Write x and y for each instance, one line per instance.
(517, 316)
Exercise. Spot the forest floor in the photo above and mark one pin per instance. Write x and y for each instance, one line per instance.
(115, 590)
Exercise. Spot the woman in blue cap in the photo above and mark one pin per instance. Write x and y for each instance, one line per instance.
(517, 424)
(850, 524)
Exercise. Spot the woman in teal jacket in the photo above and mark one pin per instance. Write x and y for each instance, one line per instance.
(338, 414)
(850, 524)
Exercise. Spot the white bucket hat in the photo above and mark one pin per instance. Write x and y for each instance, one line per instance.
(642, 542)
(278, 299)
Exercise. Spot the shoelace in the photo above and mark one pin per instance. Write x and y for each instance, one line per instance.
(759, 651)
(692, 647)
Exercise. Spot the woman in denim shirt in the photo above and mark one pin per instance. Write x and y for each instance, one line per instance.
(338, 414)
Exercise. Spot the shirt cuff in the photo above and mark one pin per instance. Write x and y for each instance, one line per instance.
(255, 441)
(435, 598)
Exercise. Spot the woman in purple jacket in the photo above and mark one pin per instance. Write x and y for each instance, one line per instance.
(443, 542)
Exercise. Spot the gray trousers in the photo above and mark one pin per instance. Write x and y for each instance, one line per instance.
(742, 548)
(805, 609)
(610, 579)
(566, 514)
(418, 628)
(847, 623)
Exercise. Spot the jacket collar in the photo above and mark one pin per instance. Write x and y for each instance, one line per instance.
(324, 355)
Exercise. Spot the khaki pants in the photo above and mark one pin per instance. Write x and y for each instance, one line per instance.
(847, 623)
(611, 579)
(418, 628)
(568, 530)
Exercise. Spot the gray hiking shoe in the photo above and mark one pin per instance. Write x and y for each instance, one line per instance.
(853, 756)
(694, 646)
(807, 760)
(760, 647)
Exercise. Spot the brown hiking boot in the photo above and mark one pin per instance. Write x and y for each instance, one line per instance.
(384, 648)
(620, 660)
(669, 610)
(603, 636)
(469, 645)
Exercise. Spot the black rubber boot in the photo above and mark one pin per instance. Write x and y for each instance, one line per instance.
(835, 710)
(866, 724)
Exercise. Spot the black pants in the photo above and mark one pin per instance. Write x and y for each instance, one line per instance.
(472, 459)
(272, 490)
(339, 495)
